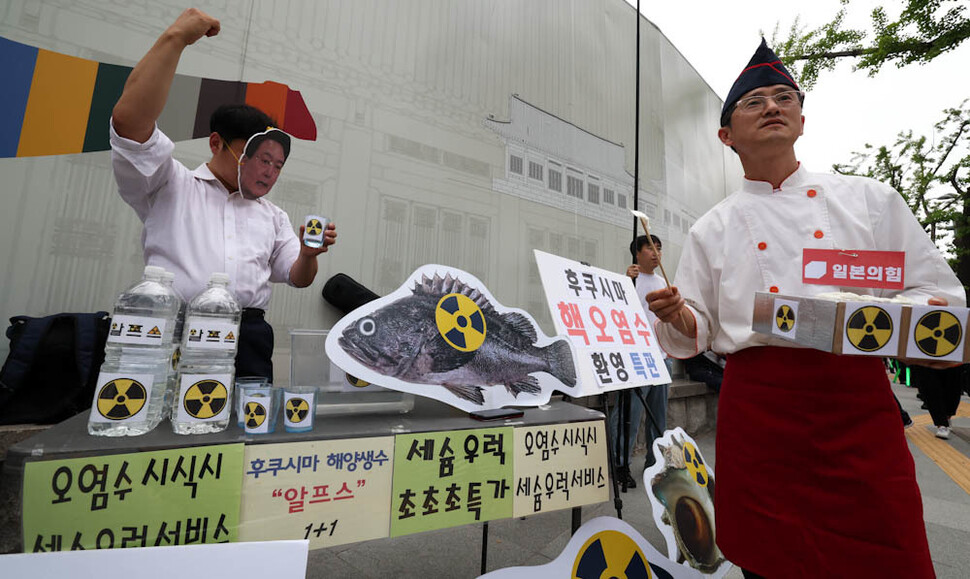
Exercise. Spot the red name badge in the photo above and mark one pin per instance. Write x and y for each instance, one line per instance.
(853, 268)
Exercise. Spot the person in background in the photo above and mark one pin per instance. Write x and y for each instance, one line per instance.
(940, 390)
(645, 281)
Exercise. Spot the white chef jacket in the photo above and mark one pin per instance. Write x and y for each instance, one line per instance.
(646, 283)
(753, 240)
(194, 226)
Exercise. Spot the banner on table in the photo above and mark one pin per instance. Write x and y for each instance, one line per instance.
(146, 499)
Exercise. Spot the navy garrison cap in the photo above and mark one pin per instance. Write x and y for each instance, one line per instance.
(764, 69)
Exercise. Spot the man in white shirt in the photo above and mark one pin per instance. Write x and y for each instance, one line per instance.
(814, 476)
(198, 222)
(645, 281)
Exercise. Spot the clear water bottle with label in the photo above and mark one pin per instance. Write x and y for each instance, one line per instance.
(206, 368)
(130, 395)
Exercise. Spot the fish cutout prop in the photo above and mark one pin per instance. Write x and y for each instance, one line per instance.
(55, 104)
(444, 336)
(603, 547)
(680, 486)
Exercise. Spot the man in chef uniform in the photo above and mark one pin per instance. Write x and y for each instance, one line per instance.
(814, 477)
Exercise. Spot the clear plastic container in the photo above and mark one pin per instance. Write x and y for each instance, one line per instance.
(336, 393)
(203, 403)
(130, 395)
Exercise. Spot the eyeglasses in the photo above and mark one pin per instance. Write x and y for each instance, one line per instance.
(756, 104)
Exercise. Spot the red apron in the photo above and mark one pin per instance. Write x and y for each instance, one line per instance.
(814, 477)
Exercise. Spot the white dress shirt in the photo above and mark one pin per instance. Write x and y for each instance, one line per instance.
(194, 226)
(753, 240)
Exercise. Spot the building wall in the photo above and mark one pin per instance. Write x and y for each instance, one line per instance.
(407, 163)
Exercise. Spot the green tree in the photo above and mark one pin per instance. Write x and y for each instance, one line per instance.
(924, 30)
(933, 175)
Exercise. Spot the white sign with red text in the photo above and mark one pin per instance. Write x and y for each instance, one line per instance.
(599, 312)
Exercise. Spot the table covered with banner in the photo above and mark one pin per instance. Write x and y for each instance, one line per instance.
(353, 478)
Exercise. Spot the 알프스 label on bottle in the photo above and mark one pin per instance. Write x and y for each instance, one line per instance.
(137, 330)
(208, 334)
(204, 397)
(121, 397)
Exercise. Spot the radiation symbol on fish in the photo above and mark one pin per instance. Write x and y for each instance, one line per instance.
(255, 414)
(297, 409)
(869, 328)
(785, 318)
(611, 554)
(205, 399)
(121, 398)
(314, 227)
(695, 465)
(356, 382)
(938, 333)
(460, 322)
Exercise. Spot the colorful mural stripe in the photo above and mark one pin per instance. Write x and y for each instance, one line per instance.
(55, 104)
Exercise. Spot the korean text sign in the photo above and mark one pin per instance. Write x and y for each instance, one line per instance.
(560, 466)
(167, 497)
(446, 479)
(855, 268)
(599, 311)
(330, 492)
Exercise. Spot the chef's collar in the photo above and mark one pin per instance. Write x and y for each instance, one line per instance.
(796, 179)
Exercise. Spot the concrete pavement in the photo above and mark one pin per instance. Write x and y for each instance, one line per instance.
(942, 467)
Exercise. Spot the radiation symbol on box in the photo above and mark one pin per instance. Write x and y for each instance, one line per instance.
(785, 318)
(121, 398)
(255, 414)
(611, 554)
(297, 410)
(695, 465)
(460, 322)
(314, 227)
(938, 333)
(356, 382)
(205, 399)
(869, 328)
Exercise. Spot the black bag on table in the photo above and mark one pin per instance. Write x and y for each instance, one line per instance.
(347, 294)
(52, 368)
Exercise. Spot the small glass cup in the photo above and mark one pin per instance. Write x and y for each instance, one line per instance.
(299, 408)
(240, 384)
(261, 406)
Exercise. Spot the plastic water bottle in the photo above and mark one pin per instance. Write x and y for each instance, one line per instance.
(207, 367)
(130, 395)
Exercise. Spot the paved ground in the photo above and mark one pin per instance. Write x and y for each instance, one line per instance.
(943, 469)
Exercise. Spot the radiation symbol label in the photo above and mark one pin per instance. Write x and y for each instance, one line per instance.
(460, 322)
(255, 414)
(121, 398)
(314, 227)
(695, 465)
(785, 318)
(176, 356)
(356, 382)
(938, 333)
(297, 410)
(611, 554)
(205, 399)
(869, 328)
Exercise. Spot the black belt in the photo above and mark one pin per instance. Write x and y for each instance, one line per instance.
(252, 314)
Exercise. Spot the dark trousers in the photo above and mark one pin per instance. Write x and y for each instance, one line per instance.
(255, 354)
(940, 391)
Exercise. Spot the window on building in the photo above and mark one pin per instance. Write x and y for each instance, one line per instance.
(515, 164)
(621, 200)
(535, 170)
(609, 197)
(593, 193)
(667, 216)
(574, 187)
(555, 180)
